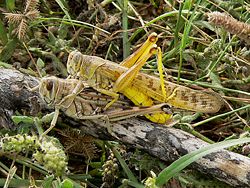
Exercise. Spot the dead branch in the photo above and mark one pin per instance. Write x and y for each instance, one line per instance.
(165, 143)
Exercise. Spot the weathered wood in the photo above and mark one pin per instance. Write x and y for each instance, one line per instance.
(165, 143)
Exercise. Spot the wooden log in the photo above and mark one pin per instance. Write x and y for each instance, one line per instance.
(165, 143)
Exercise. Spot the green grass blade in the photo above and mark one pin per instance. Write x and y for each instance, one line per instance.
(10, 4)
(179, 26)
(8, 50)
(221, 55)
(125, 41)
(133, 184)
(74, 22)
(158, 18)
(3, 34)
(125, 167)
(167, 14)
(186, 160)
(185, 36)
(221, 115)
(19, 182)
(62, 5)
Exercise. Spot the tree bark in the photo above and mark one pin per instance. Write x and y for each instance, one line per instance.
(165, 143)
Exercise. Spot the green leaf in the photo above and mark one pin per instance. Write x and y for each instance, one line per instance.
(67, 183)
(188, 4)
(3, 34)
(204, 24)
(47, 183)
(8, 50)
(24, 119)
(40, 63)
(186, 160)
(10, 4)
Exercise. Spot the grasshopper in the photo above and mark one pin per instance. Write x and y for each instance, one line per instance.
(110, 78)
(88, 103)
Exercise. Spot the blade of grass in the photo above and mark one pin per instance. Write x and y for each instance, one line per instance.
(28, 163)
(8, 50)
(167, 14)
(11, 173)
(125, 41)
(186, 160)
(133, 184)
(62, 5)
(74, 22)
(185, 36)
(19, 182)
(4, 169)
(221, 55)
(220, 115)
(3, 34)
(106, 2)
(125, 167)
(179, 25)
(204, 84)
(188, 128)
(10, 4)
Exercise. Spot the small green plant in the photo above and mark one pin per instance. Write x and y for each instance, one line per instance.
(48, 152)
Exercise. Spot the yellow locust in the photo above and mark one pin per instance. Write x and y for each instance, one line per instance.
(142, 89)
(88, 103)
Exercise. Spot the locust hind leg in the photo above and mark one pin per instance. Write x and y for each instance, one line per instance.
(144, 49)
(159, 113)
(160, 70)
(140, 57)
(135, 62)
(104, 117)
(127, 77)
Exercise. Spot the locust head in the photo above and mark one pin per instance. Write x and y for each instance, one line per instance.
(74, 63)
(48, 88)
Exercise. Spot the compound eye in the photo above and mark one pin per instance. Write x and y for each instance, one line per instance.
(49, 85)
(167, 109)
